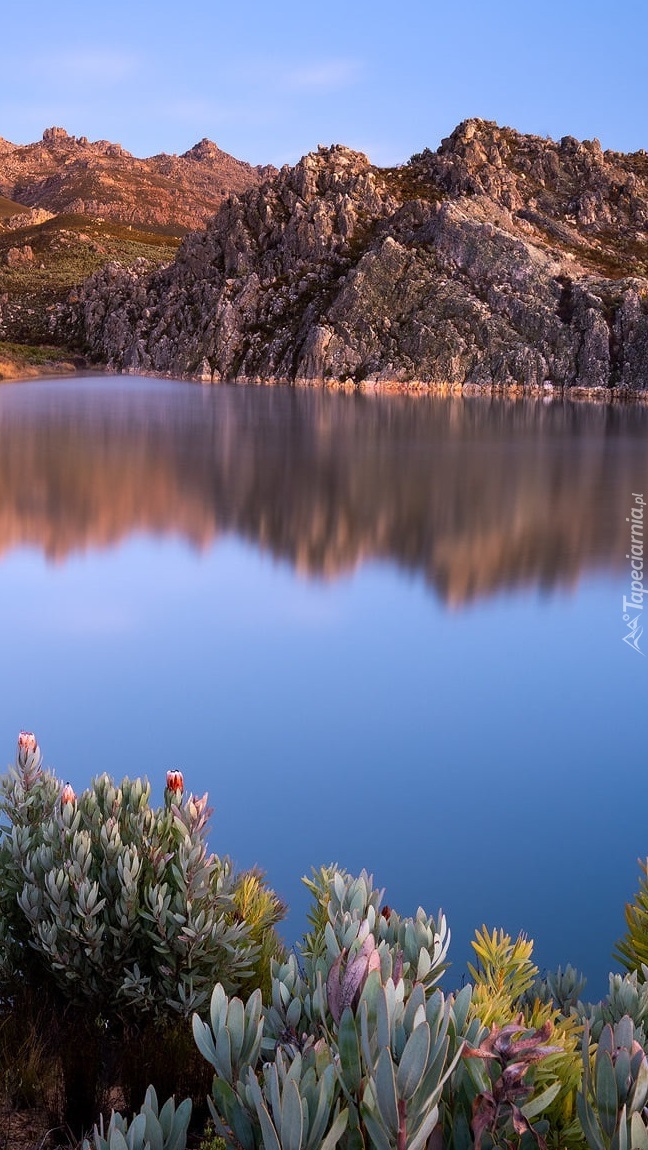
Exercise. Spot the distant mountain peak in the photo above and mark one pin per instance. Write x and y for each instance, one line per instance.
(51, 135)
(62, 173)
(205, 149)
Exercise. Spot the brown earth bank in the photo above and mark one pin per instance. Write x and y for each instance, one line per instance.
(20, 361)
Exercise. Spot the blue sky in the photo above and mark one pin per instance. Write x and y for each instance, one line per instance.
(269, 82)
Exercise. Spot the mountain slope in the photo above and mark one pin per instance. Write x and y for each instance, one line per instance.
(68, 207)
(66, 174)
(499, 260)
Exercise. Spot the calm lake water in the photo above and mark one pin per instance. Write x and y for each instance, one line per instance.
(380, 631)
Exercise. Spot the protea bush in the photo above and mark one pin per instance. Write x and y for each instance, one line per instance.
(358, 1046)
(615, 1089)
(116, 918)
(517, 1007)
(151, 1129)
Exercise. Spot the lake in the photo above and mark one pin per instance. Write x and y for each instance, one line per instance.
(382, 631)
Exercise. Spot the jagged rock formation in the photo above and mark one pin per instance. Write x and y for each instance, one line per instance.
(499, 260)
(78, 205)
(68, 174)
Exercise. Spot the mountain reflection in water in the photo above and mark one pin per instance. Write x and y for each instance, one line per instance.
(480, 495)
(486, 759)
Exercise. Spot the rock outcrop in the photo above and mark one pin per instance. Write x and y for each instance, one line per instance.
(500, 260)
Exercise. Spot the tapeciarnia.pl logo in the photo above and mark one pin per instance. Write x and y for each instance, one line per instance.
(635, 602)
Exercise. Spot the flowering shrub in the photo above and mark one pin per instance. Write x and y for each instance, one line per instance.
(114, 910)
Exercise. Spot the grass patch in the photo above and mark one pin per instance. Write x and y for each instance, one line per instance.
(28, 361)
(410, 182)
(35, 354)
(69, 248)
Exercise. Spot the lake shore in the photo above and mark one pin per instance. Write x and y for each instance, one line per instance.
(23, 362)
(416, 388)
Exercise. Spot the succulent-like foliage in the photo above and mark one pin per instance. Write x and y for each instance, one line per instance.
(343, 988)
(357, 1042)
(627, 995)
(151, 1129)
(503, 1108)
(115, 910)
(295, 1104)
(405, 1060)
(249, 1110)
(614, 1090)
(632, 950)
(505, 977)
(231, 1040)
(561, 989)
(346, 907)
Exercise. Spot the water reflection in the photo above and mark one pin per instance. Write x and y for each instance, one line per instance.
(479, 495)
(354, 719)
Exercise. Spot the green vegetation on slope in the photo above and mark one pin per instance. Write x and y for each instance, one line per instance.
(25, 361)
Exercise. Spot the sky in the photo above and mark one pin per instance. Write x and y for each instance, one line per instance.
(270, 82)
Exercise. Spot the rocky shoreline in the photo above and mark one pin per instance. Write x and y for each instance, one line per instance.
(415, 388)
(13, 372)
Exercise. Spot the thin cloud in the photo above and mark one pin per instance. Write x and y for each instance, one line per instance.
(103, 66)
(192, 110)
(225, 112)
(322, 76)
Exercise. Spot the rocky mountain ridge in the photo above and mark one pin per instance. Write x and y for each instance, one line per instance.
(500, 260)
(66, 174)
(68, 207)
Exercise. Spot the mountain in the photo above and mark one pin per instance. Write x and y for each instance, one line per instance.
(68, 207)
(500, 260)
(69, 175)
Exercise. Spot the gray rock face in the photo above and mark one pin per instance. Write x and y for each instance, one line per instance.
(499, 260)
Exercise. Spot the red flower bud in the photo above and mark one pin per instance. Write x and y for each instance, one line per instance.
(175, 782)
(67, 795)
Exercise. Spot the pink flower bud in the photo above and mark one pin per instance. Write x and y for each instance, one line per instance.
(27, 742)
(175, 782)
(28, 758)
(67, 795)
